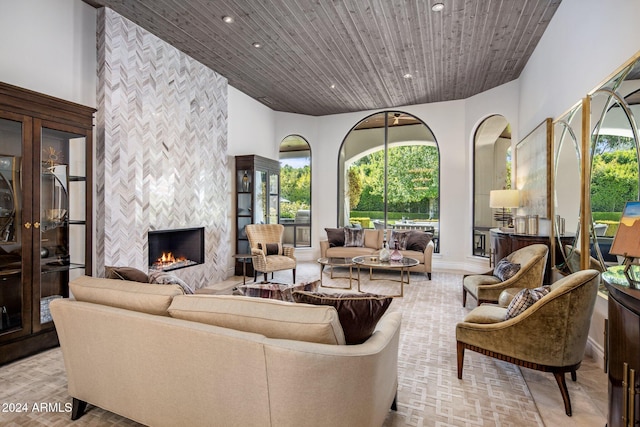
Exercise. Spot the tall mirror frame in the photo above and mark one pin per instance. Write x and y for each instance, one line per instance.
(613, 144)
(601, 133)
(567, 173)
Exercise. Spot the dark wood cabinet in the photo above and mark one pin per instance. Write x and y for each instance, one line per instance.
(257, 200)
(502, 244)
(45, 213)
(623, 344)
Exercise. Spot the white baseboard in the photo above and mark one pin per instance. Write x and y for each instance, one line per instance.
(595, 351)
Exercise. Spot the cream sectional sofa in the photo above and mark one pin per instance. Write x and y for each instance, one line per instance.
(151, 354)
(373, 242)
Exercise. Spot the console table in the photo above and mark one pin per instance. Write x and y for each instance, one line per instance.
(503, 244)
(623, 344)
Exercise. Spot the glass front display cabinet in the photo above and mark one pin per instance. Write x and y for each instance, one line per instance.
(257, 201)
(45, 213)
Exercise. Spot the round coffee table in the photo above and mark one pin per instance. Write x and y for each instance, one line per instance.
(372, 262)
(336, 262)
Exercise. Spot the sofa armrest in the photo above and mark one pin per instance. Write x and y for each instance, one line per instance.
(428, 253)
(324, 245)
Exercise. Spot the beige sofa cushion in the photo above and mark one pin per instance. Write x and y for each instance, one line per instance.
(271, 318)
(143, 297)
(372, 238)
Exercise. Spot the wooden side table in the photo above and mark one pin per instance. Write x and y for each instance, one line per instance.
(243, 259)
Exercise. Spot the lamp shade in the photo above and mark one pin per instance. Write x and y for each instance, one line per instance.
(504, 199)
(627, 240)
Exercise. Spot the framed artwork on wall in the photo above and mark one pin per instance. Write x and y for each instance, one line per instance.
(533, 170)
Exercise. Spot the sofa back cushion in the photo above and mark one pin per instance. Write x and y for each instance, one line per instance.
(143, 297)
(373, 238)
(271, 318)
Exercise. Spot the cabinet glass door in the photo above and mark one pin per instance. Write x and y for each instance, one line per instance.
(62, 215)
(14, 298)
(273, 198)
(261, 197)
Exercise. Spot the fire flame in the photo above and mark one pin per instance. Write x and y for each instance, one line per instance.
(168, 259)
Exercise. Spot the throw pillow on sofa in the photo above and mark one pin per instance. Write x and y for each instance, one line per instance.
(525, 299)
(335, 236)
(400, 237)
(418, 240)
(126, 273)
(505, 270)
(353, 237)
(270, 248)
(358, 313)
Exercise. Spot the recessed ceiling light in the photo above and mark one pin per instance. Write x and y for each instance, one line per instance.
(437, 7)
(408, 76)
(227, 19)
(332, 86)
(256, 45)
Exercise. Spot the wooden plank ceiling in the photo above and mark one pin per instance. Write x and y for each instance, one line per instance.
(321, 57)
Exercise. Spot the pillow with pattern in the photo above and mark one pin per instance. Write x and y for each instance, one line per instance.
(353, 237)
(525, 299)
(402, 237)
(505, 269)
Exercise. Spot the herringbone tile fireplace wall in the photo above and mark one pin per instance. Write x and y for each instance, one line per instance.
(161, 149)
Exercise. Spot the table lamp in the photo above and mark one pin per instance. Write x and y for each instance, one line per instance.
(627, 240)
(504, 200)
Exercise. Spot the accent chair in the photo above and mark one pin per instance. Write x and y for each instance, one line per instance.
(268, 253)
(549, 336)
(487, 287)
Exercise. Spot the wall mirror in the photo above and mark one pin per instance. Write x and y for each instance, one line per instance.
(491, 153)
(567, 132)
(614, 174)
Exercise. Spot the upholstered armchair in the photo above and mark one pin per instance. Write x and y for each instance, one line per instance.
(268, 253)
(549, 336)
(488, 286)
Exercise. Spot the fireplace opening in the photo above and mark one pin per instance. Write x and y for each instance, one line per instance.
(175, 249)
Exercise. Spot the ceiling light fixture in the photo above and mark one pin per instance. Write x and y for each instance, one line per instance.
(408, 76)
(333, 86)
(437, 7)
(256, 45)
(227, 19)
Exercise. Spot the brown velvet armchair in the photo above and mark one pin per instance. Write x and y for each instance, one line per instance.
(487, 287)
(549, 336)
(262, 238)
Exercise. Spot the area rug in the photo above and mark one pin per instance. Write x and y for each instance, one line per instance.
(491, 393)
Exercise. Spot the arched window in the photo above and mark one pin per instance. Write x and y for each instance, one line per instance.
(295, 190)
(491, 171)
(389, 174)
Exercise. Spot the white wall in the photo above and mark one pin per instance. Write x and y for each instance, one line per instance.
(584, 43)
(49, 46)
(250, 126)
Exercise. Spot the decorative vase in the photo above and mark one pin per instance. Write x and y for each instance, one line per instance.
(245, 182)
(396, 255)
(385, 253)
